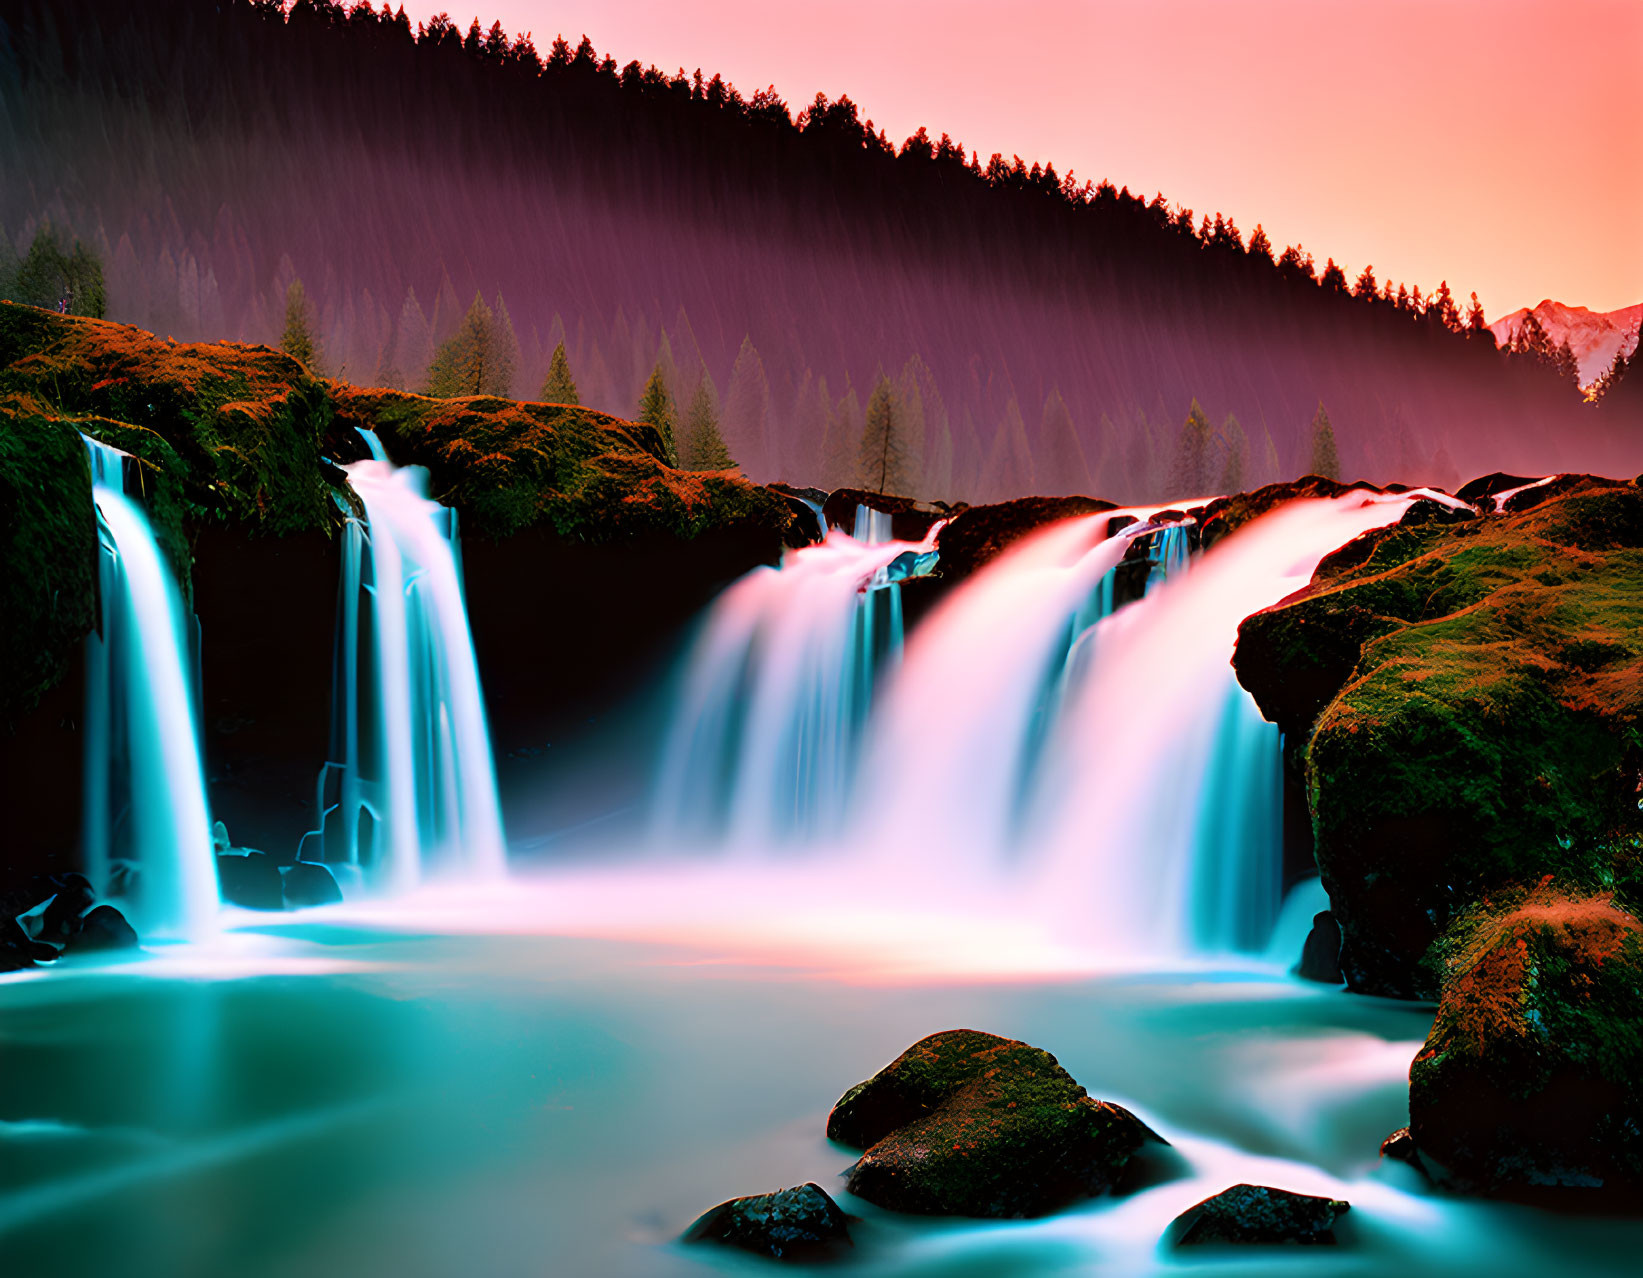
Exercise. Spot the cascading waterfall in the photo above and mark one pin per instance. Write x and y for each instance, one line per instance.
(761, 749)
(956, 740)
(412, 784)
(145, 786)
(1158, 816)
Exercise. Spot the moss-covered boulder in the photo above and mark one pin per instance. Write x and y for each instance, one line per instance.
(1220, 518)
(970, 1124)
(1530, 1084)
(1465, 699)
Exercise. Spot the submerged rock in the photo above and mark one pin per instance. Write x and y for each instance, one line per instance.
(802, 1223)
(970, 1124)
(1258, 1215)
(1530, 1085)
(1321, 954)
(310, 883)
(250, 880)
(104, 928)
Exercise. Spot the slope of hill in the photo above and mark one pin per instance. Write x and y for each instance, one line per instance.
(1044, 335)
(1594, 336)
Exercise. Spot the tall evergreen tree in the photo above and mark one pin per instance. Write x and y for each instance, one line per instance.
(747, 413)
(702, 447)
(1326, 460)
(1194, 471)
(560, 386)
(843, 442)
(656, 408)
(882, 464)
(1271, 470)
(504, 352)
(54, 280)
(298, 339)
(1235, 467)
(1009, 470)
(476, 360)
(1062, 466)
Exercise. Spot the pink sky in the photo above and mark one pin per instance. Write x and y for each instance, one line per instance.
(1495, 143)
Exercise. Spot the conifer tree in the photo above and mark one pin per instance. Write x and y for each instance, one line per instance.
(1326, 459)
(702, 447)
(1194, 472)
(882, 464)
(1064, 469)
(298, 340)
(560, 386)
(1009, 469)
(1235, 469)
(656, 409)
(413, 343)
(478, 360)
(1271, 470)
(54, 280)
(747, 412)
(843, 442)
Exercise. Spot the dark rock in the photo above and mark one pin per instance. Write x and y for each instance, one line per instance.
(1258, 1215)
(802, 1223)
(310, 883)
(1479, 490)
(105, 928)
(62, 917)
(18, 950)
(1423, 510)
(970, 1124)
(1222, 517)
(1400, 1146)
(1463, 703)
(1321, 954)
(910, 519)
(37, 889)
(250, 880)
(1530, 1085)
(979, 534)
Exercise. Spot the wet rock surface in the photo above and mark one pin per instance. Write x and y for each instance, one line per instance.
(802, 1223)
(1258, 1215)
(309, 883)
(250, 880)
(979, 534)
(1321, 954)
(103, 928)
(970, 1124)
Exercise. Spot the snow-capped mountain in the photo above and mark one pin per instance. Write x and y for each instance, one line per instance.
(1594, 336)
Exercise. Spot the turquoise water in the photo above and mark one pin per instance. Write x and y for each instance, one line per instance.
(345, 1098)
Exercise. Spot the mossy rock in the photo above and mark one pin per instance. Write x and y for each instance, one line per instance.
(1530, 1085)
(1465, 699)
(965, 1123)
(1220, 518)
(798, 1224)
(507, 466)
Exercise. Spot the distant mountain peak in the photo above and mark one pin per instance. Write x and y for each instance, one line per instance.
(1594, 336)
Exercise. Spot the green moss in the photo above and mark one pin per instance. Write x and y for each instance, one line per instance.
(967, 1123)
(1465, 699)
(1532, 1077)
(48, 550)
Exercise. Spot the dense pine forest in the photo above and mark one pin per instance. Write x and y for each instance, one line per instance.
(463, 212)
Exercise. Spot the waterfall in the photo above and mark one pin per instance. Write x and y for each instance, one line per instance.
(144, 784)
(1157, 823)
(762, 745)
(952, 750)
(412, 775)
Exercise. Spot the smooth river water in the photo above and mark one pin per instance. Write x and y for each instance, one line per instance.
(402, 1092)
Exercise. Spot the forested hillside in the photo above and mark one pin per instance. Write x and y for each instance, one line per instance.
(1038, 331)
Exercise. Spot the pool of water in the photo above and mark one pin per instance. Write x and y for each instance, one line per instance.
(366, 1092)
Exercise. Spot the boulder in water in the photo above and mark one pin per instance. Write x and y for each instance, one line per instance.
(1321, 954)
(250, 880)
(970, 1124)
(802, 1223)
(18, 950)
(1258, 1215)
(310, 883)
(104, 928)
(979, 534)
(1530, 1085)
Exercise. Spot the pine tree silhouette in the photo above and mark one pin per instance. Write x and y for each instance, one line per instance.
(1326, 459)
(560, 386)
(656, 408)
